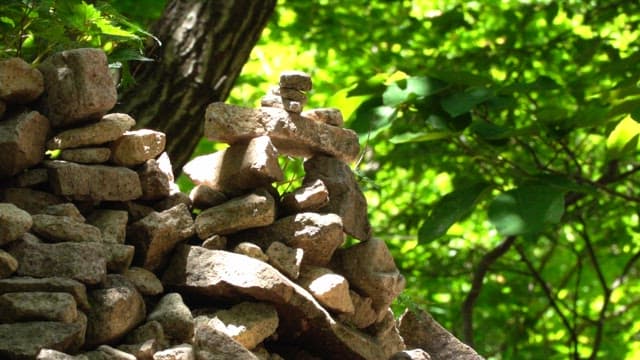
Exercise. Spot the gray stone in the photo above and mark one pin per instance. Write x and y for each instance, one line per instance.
(212, 344)
(137, 146)
(204, 197)
(37, 306)
(143, 350)
(150, 330)
(363, 315)
(31, 177)
(329, 288)
(290, 133)
(8, 264)
(93, 182)
(178, 352)
(67, 210)
(175, 318)
(345, 197)
(215, 242)
(144, 280)
(109, 353)
(116, 309)
(14, 222)
(244, 212)
(289, 93)
(248, 323)
(32, 201)
(51, 284)
(292, 106)
(310, 197)
(329, 116)
(155, 180)
(286, 259)
(242, 166)
(272, 100)
(119, 257)
(22, 139)
(295, 80)
(108, 129)
(174, 198)
(112, 224)
(155, 235)
(19, 82)
(89, 155)
(63, 228)
(318, 235)
(78, 86)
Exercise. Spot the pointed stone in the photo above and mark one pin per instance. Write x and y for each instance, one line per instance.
(289, 132)
(248, 323)
(108, 129)
(14, 222)
(22, 139)
(19, 82)
(329, 288)
(310, 197)
(175, 318)
(137, 146)
(286, 259)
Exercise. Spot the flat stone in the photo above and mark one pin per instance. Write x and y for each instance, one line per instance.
(144, 280)
(8, 264)
(31, 177)
(286, 259)
(155, 180)
(85, 262)
(32, 201)
(112, 224)
(37, 306)
(363, 315)
(272, 100)
(244, 165)
(295, 80)
(22, 139)
(108, 129)
(248, 323)
(292, 106)
(308, 198)
(48, 354)
(289, 93)
(251, 250)
(69, 210)
(64, 228)
(244, 212)
(119, 257)
(78, 86)
(93, 182)
(204, 197)
(90, 155)
(24, 340)
(19, 82)
(14, 222)
(289, 132)
(137, 146)
(116, 309)
(329, 288)
(345, 197)
(155, 235)
(175, 317)
(109, 353)
(329, 116)
(370, 268)
(212, 344)
(413, 354)
(178, 352)
(50, 284)
(216, 242)
(318, 235)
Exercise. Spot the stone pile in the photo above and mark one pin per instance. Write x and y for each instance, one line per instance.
(101, 257)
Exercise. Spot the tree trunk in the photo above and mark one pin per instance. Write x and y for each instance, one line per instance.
(205, 44)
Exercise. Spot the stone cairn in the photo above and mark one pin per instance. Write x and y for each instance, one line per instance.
(102, 257)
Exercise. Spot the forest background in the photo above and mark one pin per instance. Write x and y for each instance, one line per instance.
(500, 147)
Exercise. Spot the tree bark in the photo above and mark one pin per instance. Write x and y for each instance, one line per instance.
(204, 45)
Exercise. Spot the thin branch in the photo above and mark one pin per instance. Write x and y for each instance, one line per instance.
(476, 286)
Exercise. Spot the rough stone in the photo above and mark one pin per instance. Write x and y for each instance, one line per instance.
(248, 323)
(329, 288)
(19, 82)
(116, 309)
(112, 224)
(289, 93)
(67, 210)
(289, 132)
(24, 340)
(215, 242)
(78, 86)
(64, 228)
(272, 100)
(37, 306)
(345, 197)
(286, 259)
(150, 330)
(106, 352)
(22, 139)
(244, 212)
(370, 268)
(155, 180)
(243, 165)
(119, 257)
(175, 318)
(142, 351)
(295, 80)
(92, 155)
(85, 262)
(48, 354)
(178, 352)
(14, 222)
(155, 235)
(204, 197)
(212, 344)
(329, 116)
(137, 146)
(51, 284)
(31, 177)
(144, 280)
(32, 201)
(251, 250)
(318, 235)
(363, 314)
(93, 182)
(108, 129)
(174, 198)
(8, 264)
(310, 197)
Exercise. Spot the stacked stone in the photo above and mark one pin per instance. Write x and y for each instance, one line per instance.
(290, 95)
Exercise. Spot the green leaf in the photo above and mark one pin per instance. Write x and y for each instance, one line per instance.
(410, 137)
(526, 209)
(460, 103)
(416, 87)
(623, 139)
(450, 209)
